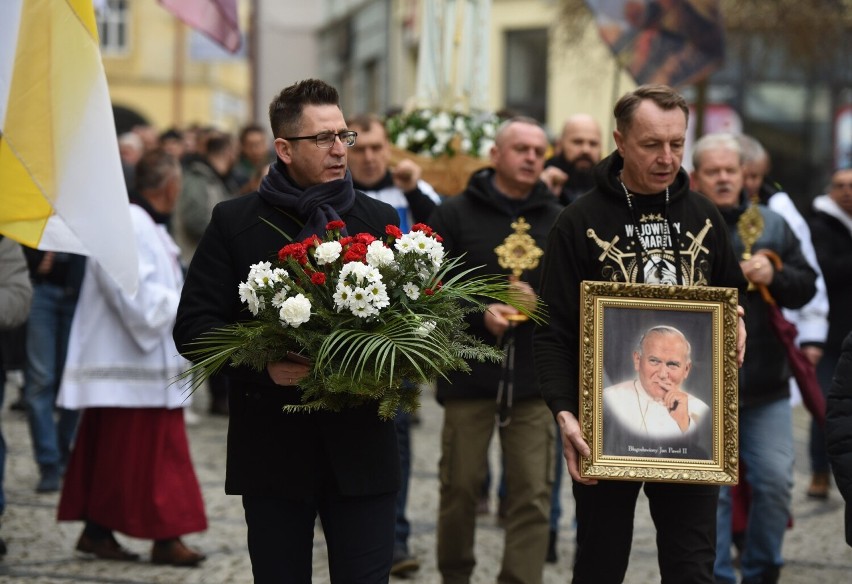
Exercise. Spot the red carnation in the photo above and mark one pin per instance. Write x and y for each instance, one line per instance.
(438, 238)
(364, 238)
(422, 227)
(312, 241)
(357, 252)
(344, 241)
(318, 278)
(393, 231)
(297, 251)
(428, 292)
(335, 225)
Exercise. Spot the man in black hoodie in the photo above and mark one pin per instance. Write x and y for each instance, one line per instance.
(474, 223)
(608, 235)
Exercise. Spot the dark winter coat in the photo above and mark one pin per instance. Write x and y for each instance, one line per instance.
(838, 429)
(272, 453)
(474, 223)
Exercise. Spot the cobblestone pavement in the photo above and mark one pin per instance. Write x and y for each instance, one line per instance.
(42, 550)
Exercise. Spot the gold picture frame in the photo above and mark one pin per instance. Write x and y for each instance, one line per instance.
(634, 433)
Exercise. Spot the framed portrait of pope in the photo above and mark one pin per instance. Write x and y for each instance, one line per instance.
(658, 375)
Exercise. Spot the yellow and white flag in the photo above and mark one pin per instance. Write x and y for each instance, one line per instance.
(61, 182)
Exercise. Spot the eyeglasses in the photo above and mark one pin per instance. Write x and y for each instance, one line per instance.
(326, 139)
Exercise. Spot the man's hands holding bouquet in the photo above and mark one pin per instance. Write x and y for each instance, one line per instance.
(346, 318)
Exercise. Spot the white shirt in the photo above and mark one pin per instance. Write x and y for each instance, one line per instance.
(632, 407)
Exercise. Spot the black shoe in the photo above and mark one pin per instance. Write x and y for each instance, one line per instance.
(49, 480)
(551, 557)
(770, 576)
(403, 563)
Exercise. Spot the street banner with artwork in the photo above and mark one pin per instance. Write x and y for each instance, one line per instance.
(674, 42)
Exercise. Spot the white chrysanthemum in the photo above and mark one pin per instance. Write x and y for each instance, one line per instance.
(459, 124)
(411, 290)
(426, 328)
(279, 298)
(436, 253)
(402, 141)
(359, 299)
(295, 311)
(249, 296)
(254, 269)
(342, 296)
(379, 255)
(327, 252)
(466, 145)
(406, 243)
(421, 135)
(279, 274)
(414, 241)
(263, 278)
(378, 295)
(364, 310)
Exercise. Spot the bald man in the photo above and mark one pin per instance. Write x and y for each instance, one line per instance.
(568, 174)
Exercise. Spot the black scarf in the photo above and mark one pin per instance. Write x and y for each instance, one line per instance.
(315, 205)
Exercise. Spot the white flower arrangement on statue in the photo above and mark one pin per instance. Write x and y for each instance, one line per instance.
(366, 313)
(437, 133)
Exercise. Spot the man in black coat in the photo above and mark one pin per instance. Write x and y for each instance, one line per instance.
(838, 429)
(473, 224)
(289, 467)
(831, 232)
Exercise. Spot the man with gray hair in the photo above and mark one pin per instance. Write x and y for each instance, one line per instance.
(812, 319)
(765, 419)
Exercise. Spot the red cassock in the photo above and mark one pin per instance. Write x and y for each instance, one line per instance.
(131, 471)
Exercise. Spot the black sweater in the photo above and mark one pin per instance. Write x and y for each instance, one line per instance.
(474, 223)
(594, 239)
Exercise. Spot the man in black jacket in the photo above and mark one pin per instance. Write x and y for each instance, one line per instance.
(838, 428)
(289, 467)
(765, 419)
(831, 232)
(474, 223)
(640, 224)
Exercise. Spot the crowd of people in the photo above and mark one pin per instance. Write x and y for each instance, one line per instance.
(108, 426)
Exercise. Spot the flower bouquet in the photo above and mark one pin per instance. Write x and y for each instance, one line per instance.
(448, 146)
(367, 313)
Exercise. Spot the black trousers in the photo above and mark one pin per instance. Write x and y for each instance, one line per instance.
(685, 518)
(359, 534)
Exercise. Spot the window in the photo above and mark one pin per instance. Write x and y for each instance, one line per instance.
(112, 18)
(526, 72)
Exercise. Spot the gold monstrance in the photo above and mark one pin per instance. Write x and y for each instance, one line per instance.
(518, 252)
(750, 228)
